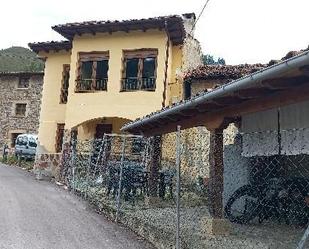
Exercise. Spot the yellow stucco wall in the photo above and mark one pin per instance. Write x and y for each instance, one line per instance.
(52, 112)
(87, 130)
(175, 88)
(129, 105)
(82, 107)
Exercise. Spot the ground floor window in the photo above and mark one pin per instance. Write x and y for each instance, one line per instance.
(59, 137)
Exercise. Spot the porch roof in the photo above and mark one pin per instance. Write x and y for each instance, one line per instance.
(50, 45)
(173, 25)
(280, 84)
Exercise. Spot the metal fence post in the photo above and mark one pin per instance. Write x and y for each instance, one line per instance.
(178, 147)
(120, 178)
(89, 168)
(303, 239)
(73, 162)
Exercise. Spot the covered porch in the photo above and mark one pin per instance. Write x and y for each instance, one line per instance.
(280, 93)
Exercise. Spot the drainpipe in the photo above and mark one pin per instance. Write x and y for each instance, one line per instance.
(167, 54)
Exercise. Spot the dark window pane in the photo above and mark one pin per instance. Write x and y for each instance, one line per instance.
(66, 77)
(20, 109)
(86, 70)
(102, 69)
(149, 67)
(65, 84)
(131, 68)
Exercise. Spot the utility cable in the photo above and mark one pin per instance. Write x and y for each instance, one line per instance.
(199, 16)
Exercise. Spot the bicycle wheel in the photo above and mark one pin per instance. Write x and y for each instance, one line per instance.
(243, 205)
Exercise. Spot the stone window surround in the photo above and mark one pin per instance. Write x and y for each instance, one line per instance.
(18, 80)
(14, 108)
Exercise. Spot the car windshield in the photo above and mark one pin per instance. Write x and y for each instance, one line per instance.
(32, 142)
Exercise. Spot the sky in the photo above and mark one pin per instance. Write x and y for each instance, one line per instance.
(240, 31)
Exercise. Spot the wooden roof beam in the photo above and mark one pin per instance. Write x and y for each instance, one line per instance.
(285, 83)
(253, 93)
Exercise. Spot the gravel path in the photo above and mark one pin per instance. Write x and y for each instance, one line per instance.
(39, 215)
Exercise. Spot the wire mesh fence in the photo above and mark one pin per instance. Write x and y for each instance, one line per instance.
(195, 189)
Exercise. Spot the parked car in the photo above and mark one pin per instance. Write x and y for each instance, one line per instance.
(25, 146)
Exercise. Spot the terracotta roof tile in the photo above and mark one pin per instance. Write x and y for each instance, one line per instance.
(173, 24)
(50, 45)
(215, 72)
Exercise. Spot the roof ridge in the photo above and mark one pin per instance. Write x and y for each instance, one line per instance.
(118, 21)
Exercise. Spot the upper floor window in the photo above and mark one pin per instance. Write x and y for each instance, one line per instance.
(20, 109)
(92, 72)
(139, 70)
(65, 84)
(23, 82)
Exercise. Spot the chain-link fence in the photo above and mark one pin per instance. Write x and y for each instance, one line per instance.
(197, 189)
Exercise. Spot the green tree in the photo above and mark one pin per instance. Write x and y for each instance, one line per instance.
(209, 60)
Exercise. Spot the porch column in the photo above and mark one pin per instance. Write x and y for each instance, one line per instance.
(216, 224)
(216, 168)
(154, 166)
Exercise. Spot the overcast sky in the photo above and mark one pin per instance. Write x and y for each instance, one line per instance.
(241, 31)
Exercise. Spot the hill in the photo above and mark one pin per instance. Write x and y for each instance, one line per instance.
(16, 59)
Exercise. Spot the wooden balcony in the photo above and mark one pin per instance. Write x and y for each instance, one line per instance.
(138, 84)
(91, 85)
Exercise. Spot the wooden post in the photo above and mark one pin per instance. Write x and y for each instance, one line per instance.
(216, 169)
(154, 166)
(216, 224)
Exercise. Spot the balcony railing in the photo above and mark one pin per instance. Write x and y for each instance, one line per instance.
(90, 85)
(136, 84)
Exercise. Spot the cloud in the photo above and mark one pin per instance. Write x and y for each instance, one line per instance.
(239, 31)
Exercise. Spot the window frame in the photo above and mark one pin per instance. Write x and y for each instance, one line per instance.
(93, 57)
(64, 92)
(139, 54)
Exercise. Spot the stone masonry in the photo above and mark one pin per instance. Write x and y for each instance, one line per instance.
(11, 94)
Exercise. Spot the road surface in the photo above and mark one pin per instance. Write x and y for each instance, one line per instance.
(40, 215)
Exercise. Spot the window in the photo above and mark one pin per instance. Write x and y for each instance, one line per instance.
(20, 109)
(23, 82)
(59, 137)
(139, 70)
(92, 72)
(65, 84)
(187, 90)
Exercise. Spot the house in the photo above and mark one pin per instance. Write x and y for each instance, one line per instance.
(270, 109)
(108, 73)
(20, 104)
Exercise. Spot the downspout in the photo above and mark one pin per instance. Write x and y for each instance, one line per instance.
(167, 54)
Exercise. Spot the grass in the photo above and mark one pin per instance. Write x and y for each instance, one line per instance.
(13, 161)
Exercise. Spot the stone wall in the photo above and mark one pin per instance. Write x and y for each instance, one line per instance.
(202, 85)
(47, 166)
(195, 153)
(192, 51)
(10, 95)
